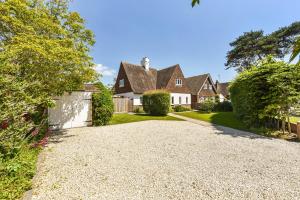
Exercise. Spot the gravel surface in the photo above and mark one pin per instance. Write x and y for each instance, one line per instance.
(167, 160)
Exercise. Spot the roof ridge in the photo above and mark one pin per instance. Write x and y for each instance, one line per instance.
(207, 74)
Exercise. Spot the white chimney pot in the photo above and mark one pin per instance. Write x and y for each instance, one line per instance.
(146, 63)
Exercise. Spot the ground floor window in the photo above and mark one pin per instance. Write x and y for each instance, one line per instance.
(187, 100)
(172, 100)
(179, 100)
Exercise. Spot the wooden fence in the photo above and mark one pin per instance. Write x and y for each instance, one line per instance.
(122, 105)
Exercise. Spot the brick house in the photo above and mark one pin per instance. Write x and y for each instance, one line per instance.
(133, 80)
(202, 87)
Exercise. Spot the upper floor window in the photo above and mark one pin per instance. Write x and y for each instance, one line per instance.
(178, 82)
(210, 87)
(121, 83)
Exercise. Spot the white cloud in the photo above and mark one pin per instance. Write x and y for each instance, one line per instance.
(104, 70)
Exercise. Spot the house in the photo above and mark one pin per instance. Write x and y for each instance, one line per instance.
(222, 90)
(202, 87)
(72, 109)
(133, 80)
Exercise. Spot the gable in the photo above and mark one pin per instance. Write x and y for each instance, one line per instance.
(172, 87)
(196, 83)
(127, 86)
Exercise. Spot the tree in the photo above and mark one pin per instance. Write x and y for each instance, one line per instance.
(195, 2)
(254, 46)
(265, 92)
(43, 52)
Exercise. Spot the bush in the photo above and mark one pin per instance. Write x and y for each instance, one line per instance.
(156, 102)
(224, 106)
(181, 109)
(207, 106)
(103, 107)
(138, 110)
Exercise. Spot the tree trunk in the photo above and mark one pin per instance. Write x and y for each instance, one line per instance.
(283, 125)
(289, 124)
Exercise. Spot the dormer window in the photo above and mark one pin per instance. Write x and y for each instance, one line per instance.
(121, 83)
(178, 82)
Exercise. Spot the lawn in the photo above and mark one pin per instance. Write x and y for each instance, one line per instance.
(16, 174)
(128, 118)
(227, 119)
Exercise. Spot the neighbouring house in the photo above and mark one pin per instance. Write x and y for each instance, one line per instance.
(133, 80)
(222, 90)
(202, 87)
(72, 109)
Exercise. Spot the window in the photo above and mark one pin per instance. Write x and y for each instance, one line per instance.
(178, 82)
(141, 100)
(172, 100)
(186, 100)
(210, 87)
(121, 83)
(179, 100)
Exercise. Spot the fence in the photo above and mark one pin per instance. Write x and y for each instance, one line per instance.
(122, 105)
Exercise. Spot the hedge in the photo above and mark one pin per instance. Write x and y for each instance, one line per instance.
(103, 107)
(156, 102)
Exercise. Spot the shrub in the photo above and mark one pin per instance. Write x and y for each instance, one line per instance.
(181, 109)
(103, 106)
(224, 106)
(138, 110)
(207, 106)
(156, 102)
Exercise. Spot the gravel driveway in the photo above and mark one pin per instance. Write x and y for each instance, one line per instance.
(167, 160)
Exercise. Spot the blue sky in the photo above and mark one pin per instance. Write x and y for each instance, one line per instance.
(171, 32)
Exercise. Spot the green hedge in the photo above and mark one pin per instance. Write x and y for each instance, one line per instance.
(156, 102)
(181, 109)
(103, 107)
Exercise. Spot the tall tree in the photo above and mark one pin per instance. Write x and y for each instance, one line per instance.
(195, 2)
(254, 46)
(44, 51)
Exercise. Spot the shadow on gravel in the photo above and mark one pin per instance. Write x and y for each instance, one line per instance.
(59, 136)
(229, 125)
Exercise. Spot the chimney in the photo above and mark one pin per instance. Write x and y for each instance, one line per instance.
(146, 63)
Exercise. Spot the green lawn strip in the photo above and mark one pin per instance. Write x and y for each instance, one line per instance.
(227, 119)
(16, 174)
(128, 118)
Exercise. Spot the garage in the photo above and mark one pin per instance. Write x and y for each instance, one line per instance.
(72, 110)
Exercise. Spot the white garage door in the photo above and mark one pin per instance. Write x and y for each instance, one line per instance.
(72, 110)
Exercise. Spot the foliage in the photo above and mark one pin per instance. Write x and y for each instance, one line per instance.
(266, 91)
(156, 102)
(16, 173)
(207, 105)
(43, 52)
(181, 109)
(254, 46)
(224, 106)
(128, 118)
(296, 50)
(138, 110)
(195, 2)
(103, 107)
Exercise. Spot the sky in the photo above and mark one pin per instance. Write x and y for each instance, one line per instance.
(171, 32)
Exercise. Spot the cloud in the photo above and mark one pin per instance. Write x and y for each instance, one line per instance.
(104, 70)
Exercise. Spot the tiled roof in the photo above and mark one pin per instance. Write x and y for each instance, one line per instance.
(142, 80)
(222, 88)
(195, 83)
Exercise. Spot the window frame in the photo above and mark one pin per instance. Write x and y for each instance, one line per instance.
(178, 82)
(123, 83)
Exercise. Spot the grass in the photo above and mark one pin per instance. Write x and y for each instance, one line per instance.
(128, 118)
(227, 119)
(16, 174)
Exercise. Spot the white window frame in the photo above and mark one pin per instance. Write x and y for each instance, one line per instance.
(172, 100)
(180, 100)
(121, 83)
(178, 82)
